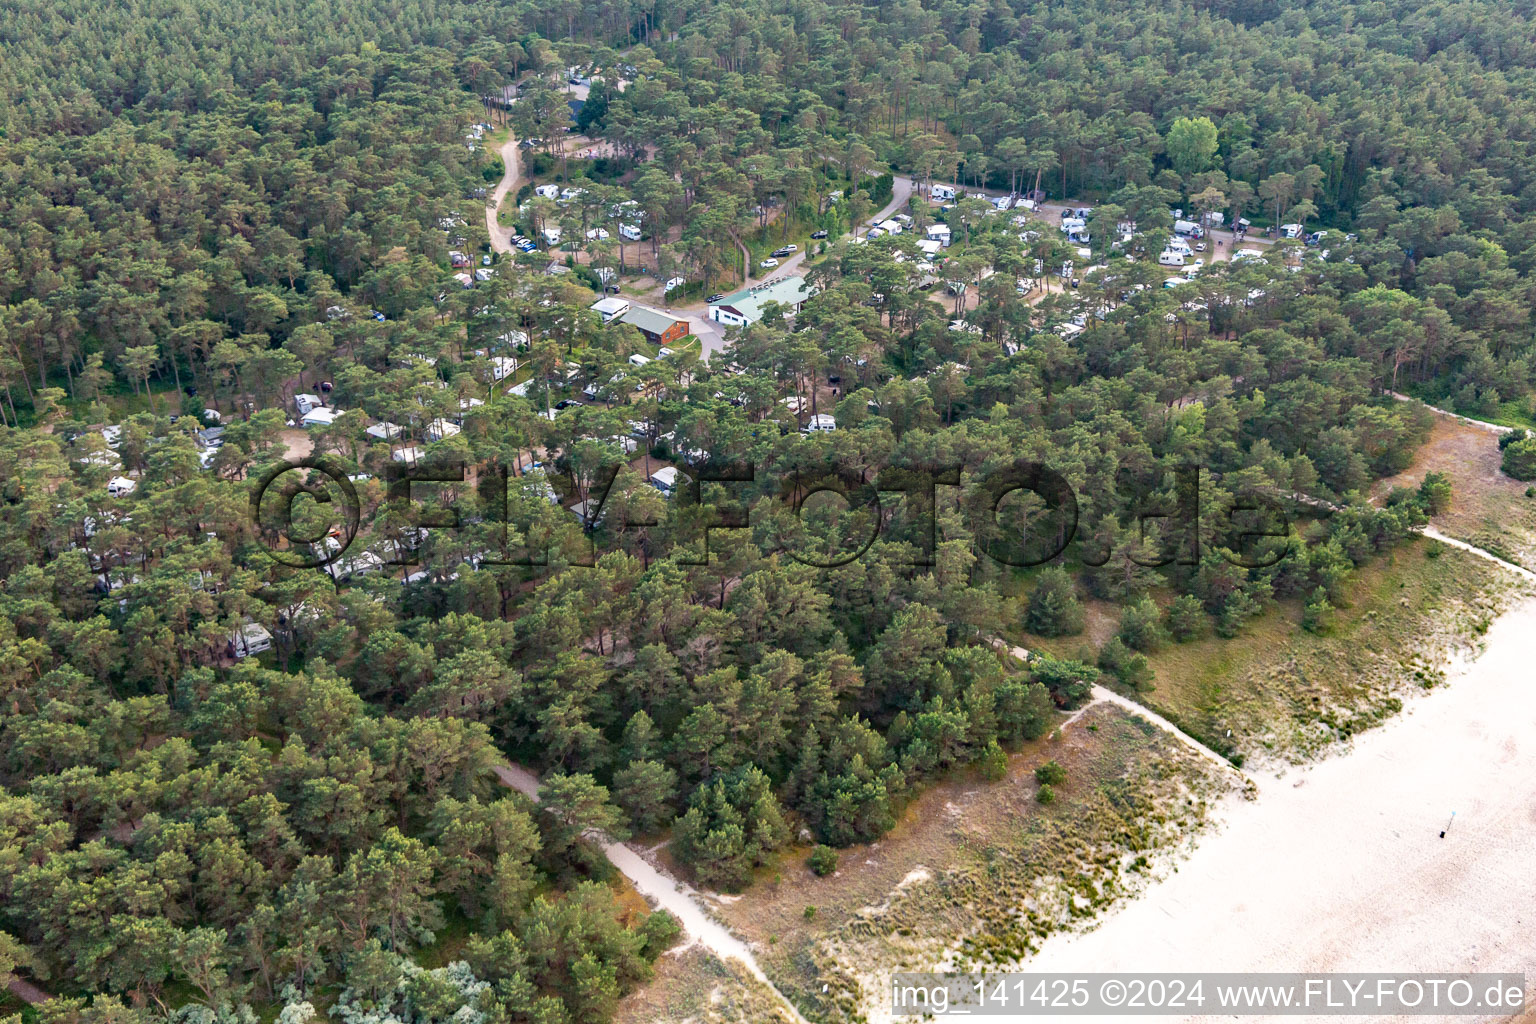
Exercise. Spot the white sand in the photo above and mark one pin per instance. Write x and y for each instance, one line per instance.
(1347, 871)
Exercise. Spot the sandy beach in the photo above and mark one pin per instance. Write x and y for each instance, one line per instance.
(1340, 866)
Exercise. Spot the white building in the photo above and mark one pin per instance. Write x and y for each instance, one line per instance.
(746, 306)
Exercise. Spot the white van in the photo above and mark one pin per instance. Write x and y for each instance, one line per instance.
(942, 194)
(1171, 259)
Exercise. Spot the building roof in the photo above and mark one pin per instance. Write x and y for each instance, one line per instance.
(610, 307)
(320, 417)
(749, 302)
(653, 321)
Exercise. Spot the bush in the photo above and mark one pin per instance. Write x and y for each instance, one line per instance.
(1435, 493)
(1140, 626)
(660, 932)
(1051, 774)
(1185, 619)
(1317, 614)
(1054, 609)
(1130, 668)
(993, 763)
(1520, 459)
(1046, 795)
(822, 861)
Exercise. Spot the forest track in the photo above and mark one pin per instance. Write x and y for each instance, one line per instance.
(501, 238)
(666, 892)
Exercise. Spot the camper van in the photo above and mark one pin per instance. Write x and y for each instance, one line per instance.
(1188, 227)
(1291, 230)
(1179, 246)
(120, 486)
(943, 194)
(819, 423)
(1171, 259)
(630, 232)
(252, 638)
(547, 191)
(552, 236)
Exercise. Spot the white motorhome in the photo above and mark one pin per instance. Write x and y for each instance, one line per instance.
(1189, 228)
(121, 486)
(630, 231)
(943, 194)
(547, 191)
(1171, 259)
(251, 638)
(819, 423)
(1292, 230)
(1179, 246)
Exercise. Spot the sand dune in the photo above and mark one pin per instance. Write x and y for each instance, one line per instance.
(1340, 866)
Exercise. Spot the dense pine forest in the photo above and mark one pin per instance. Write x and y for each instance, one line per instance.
(217, 207)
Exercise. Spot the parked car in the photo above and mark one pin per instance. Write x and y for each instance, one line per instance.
(787, 250)
(819, 234)
(1199, 247)
(715, 297)
(566, 403)
(769, 263)
(485, 261)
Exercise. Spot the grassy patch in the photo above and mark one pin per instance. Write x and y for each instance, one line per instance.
(1279, 691)
(1487, 508)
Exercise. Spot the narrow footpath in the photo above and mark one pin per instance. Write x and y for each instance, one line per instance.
(665, 891)
(1102, 693)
